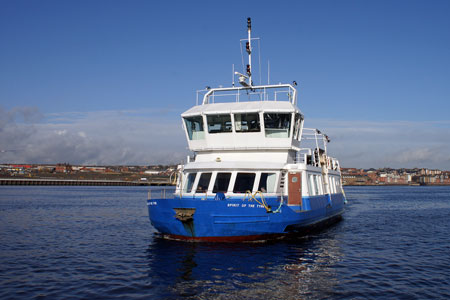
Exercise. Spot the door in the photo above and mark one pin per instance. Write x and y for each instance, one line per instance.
(295, 188)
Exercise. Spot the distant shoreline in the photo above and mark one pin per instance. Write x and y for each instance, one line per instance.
(95, 182)
(74, 182)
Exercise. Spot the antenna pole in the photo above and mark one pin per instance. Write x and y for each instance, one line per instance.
(249, 51)
(268, 72)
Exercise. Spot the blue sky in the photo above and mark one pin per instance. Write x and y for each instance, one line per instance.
(104, 82)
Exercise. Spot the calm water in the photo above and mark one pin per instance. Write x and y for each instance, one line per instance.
(97, 242)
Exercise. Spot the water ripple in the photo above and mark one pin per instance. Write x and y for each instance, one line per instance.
(97, 242)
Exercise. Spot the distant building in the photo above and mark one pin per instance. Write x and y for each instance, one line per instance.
(152, 172)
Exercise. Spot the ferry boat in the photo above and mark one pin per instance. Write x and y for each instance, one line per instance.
(257, 172)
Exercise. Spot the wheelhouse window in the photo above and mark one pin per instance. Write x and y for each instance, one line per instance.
(247, 122)
(277, 125)
(190, 178)
(194, 127)
(244, 182)
(267, 182)
(203, 183)
(298, 126)
(219, 123)
(222, 182)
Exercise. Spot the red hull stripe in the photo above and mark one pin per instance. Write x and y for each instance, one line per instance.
(226, 239)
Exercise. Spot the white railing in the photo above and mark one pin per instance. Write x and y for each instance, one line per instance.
(302, 155)
(281, 92)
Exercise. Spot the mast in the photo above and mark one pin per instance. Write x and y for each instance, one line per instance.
(248, 47)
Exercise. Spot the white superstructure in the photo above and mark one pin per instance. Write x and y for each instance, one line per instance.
(258, 130)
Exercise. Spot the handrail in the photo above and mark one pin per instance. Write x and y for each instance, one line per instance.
(263, 88)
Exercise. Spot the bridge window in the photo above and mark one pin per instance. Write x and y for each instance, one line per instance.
(244, 182)
(247, 122)
(189, 182)
(222, 181)
(267, 182)
(194, 127)
(297, 126)
(203, 183)
(219, 123)
(277, 125)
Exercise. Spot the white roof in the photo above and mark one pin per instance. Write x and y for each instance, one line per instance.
(239, 107)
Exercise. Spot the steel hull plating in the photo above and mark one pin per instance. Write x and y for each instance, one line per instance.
(237, 220)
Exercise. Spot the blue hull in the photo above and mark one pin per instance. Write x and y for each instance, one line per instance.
(239, 220)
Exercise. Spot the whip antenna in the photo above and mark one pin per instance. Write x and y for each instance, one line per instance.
(248, 47)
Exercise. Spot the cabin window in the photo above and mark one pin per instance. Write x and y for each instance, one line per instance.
(222, 182)
(277, 125)
(337, 186)
(244, 182)
(317, 184)
(194, 127)
(203, 183)
(219, 123)
(311, 185)
(190, 178)
(267, 182)
(247, 122)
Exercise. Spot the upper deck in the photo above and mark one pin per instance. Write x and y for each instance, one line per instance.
(245, 118)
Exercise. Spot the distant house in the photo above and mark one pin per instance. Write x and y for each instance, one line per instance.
(152, 172)
(93, 169)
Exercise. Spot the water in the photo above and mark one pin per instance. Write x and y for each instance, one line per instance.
(97, 242)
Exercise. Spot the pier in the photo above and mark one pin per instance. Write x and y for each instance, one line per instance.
(29, 181)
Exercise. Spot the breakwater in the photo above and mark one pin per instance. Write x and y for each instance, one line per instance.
(75, 182)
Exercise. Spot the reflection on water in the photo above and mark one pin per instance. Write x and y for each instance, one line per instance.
(285, 269)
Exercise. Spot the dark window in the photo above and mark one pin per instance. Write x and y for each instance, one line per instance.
(222, 181)
(247, 122)
(277, 125)
(219, 123)
(244, 182)
(267, 182)
(203, 183)
(189, 182)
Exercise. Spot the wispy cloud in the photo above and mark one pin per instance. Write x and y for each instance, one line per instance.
(104, 137)
(392, 143)
(156, 136)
